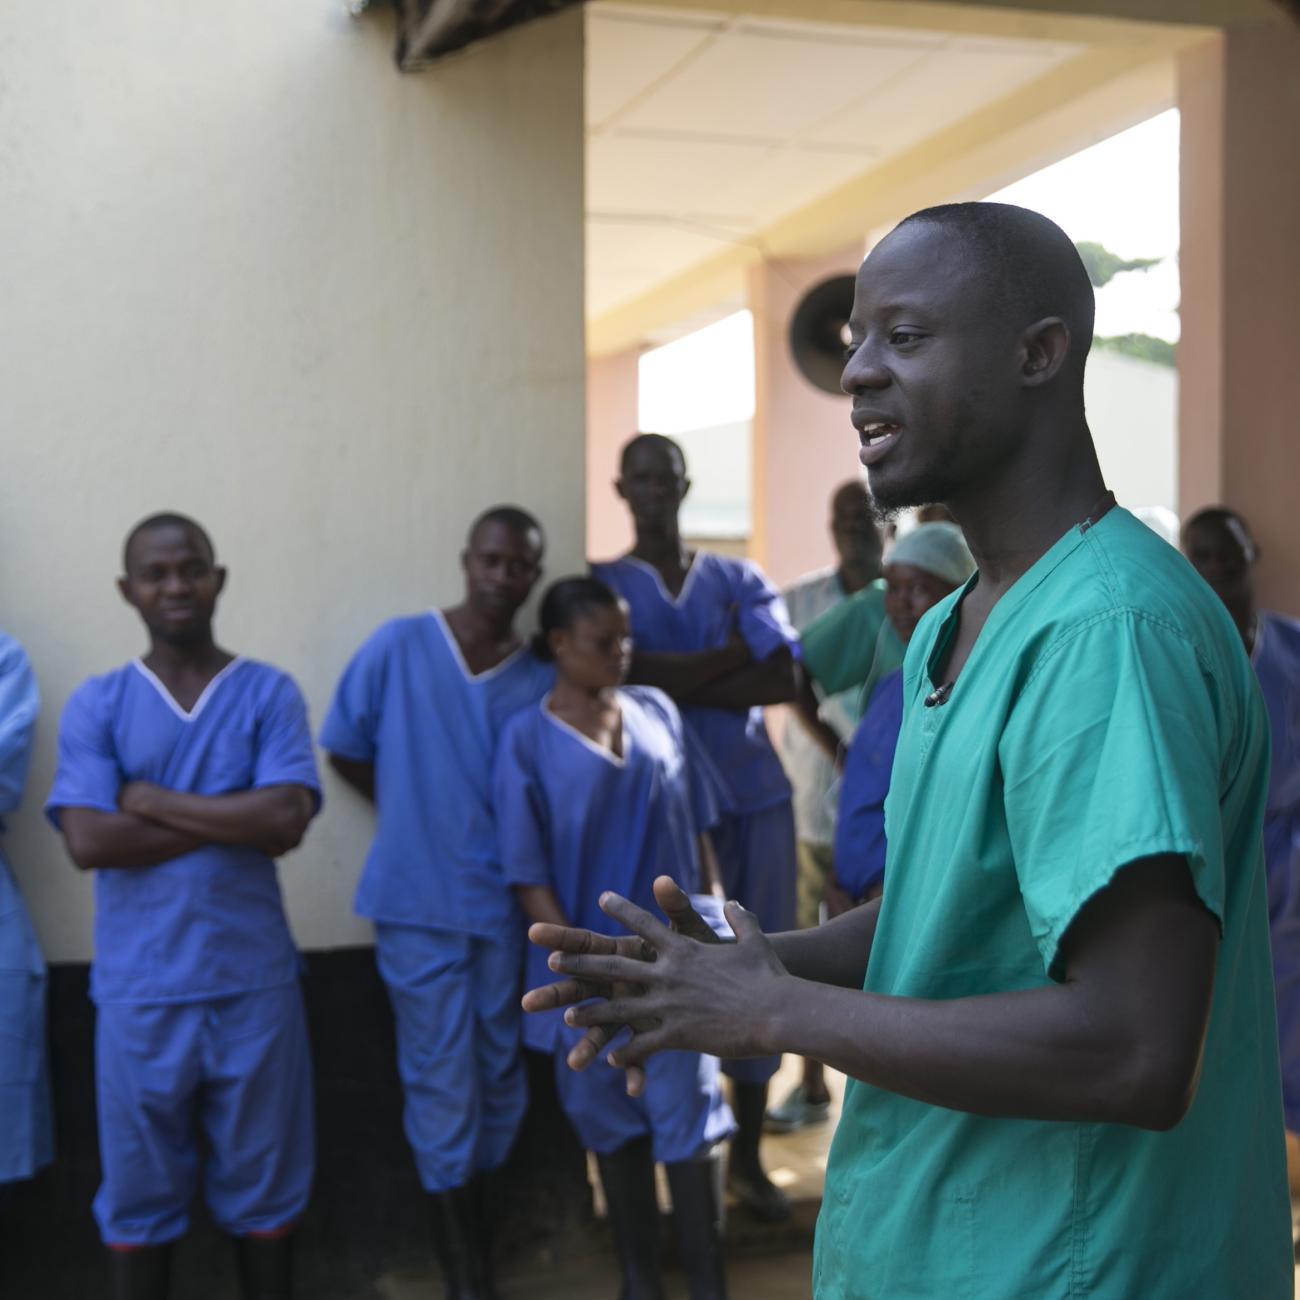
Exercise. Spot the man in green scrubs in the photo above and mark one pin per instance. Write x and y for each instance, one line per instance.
(1059, 1019)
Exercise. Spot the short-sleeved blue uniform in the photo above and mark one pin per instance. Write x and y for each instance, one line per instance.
(580, 820)
(195, 972)
(860, 825)
(1276, 658)
(755, 837)
(26, 1129)
(448, 936)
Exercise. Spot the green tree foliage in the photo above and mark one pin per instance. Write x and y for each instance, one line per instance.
(1145, 347)
(1103, 266)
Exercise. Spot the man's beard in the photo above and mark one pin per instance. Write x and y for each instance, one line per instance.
(934, 487)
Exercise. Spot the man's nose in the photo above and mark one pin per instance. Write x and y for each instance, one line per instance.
(863, 371)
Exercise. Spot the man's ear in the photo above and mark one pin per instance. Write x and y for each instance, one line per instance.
(124, 590)
(1043, 349)
(686, 487)
(618, 487)
(220, 572)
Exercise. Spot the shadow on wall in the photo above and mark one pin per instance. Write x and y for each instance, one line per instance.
(368, 1215)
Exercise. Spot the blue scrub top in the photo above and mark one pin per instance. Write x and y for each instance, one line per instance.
(720, 596)
(579, 819)
(209, 923)
(408, 704)
(20, 702)
(860, 825)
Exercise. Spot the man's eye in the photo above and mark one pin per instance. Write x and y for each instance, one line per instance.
(851, 349)
(901, 338)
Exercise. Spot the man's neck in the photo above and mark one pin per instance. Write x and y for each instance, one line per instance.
(173, 659)
(474, 627)
(854, 577)
(662, 548)
(1012, 523)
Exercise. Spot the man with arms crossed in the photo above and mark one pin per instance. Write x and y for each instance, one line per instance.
(1059, 1017)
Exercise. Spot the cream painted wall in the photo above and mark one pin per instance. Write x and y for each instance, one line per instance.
(253, 273)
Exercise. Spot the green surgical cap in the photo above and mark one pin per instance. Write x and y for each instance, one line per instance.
(937, 548)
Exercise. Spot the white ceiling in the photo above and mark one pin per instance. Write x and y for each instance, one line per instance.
(703, 128)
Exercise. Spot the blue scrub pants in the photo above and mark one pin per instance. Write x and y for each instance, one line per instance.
(239, 1069)
(681, 1108)
(455, 1001)
(756, 852)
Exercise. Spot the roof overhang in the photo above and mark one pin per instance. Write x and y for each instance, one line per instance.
(429, 29)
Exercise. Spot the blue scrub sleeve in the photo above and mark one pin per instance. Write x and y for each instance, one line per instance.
(87, 774)
(351, 725)
(761, 615)
(1112, 754)
(284, 749)
(20, 702)
(520, 812)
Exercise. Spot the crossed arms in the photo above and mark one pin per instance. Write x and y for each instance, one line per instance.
(1118, 1040)
(155, 824)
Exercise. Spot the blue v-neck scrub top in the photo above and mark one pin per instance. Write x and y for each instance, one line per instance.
(581, 820)
(209, 923)
(1107, 713)
(408, 704)
(720, 596)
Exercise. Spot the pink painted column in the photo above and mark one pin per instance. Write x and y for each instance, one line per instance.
(1239, 359)
(611, 421)
(804, 445)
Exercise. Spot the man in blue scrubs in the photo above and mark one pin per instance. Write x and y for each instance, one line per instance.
(414, 727)
(1058, 1019)
(713, 633)
(26, 1124)
(181, 777)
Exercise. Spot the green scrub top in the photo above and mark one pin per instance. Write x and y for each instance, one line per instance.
(852, 646)
(1106, 713)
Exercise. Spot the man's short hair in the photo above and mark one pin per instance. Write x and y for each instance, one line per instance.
(515, 518)
(165, 519)
(1028, 263)
(650, 440)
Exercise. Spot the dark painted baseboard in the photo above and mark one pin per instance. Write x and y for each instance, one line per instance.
(368, 1214)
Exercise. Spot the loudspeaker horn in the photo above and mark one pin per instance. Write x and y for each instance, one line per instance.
(818, 332)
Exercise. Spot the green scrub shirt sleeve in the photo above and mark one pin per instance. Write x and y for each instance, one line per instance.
(1112, 753)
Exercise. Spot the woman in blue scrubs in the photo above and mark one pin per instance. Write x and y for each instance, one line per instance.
(181, 777)
(923, 567)
(26, 1127)
(594, 791)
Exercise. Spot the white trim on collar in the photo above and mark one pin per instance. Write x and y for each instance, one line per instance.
(170, 700)
(454, 646)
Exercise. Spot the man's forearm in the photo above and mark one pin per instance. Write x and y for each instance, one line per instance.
(358, 773)
(774, 681)
(99, 841)
(807, 711)
(271, 819)
(680, 674)
(1035, 1054)
(835, 953)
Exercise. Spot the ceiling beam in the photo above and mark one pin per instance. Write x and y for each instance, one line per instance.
(1080, 102)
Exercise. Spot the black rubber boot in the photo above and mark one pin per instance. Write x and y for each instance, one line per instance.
(482, 1226)
(745, 1174)
(265, 1266)
(455, 1244)
(696, 1187)
(143, 1273)
(628, 1177)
